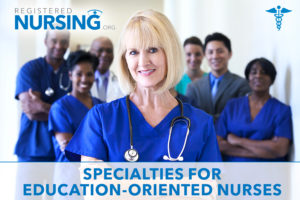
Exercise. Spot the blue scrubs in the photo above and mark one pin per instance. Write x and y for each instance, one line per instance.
(185, 99)
(34, 139)
(104, 134)
(65, 117)
(274, 119)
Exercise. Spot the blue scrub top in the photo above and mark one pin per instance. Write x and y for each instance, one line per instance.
(104, 134)
(65, 116)
(274, 119)
(34, 139)
(185, 99)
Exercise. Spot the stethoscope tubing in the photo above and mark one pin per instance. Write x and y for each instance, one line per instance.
(181, 117)
(50, 92)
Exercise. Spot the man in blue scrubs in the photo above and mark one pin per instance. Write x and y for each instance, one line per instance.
(39, 83)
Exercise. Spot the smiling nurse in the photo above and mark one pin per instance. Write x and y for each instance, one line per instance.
(66, 113)
(149, 124)
(257, 127)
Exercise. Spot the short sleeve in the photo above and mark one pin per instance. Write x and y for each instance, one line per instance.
(59, 120)
(88, 139)
(211, 152)
(27, 78)
(221, 123)
(284, 123)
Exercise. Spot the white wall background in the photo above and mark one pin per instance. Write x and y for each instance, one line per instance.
(253, 34)
(251, 29)
(9, 121)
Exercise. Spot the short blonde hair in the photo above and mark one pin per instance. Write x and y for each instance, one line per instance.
(150, 28)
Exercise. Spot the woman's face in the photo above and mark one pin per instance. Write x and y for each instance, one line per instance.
(82, 77)
(259, 81)
(148, 67)
(193, 55)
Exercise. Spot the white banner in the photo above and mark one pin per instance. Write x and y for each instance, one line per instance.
(255, 181)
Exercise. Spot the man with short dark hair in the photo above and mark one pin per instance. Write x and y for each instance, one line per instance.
(212, 92)
(39, 83)
(106, 86)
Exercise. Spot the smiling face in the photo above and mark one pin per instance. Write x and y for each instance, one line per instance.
(193, 56)
(217, 56)
(82, 77)
(102, 48)
(259, 81)
(57, 43)
(148, 67)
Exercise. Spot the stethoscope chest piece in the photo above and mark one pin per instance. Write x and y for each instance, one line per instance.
(49, 92)
(131, 155)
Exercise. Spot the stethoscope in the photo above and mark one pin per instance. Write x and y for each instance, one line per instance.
(50, 92)
(132, 155)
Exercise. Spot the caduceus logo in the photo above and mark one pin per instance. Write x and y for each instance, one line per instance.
(95, 12)
(278, 13)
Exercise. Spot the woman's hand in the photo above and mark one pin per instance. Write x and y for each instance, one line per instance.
(63, 144)
(233, 139)
(63, 139)
(87, 158)
(276, 147)
(227, 148)
(273, 148)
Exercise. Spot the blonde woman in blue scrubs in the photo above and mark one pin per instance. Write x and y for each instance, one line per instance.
(136, 127)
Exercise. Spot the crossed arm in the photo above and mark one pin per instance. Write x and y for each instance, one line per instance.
(87, 158)
(242, 147)
(33, 106)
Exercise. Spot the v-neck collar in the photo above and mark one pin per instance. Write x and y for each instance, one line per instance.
(74, 98)
(164, 122)
(259, 112)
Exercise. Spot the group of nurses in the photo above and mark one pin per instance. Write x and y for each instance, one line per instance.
(256, 127)
(66, 113)
(149, 124)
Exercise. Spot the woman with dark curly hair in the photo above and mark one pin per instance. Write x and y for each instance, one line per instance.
(67, 112)
(257, 127)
